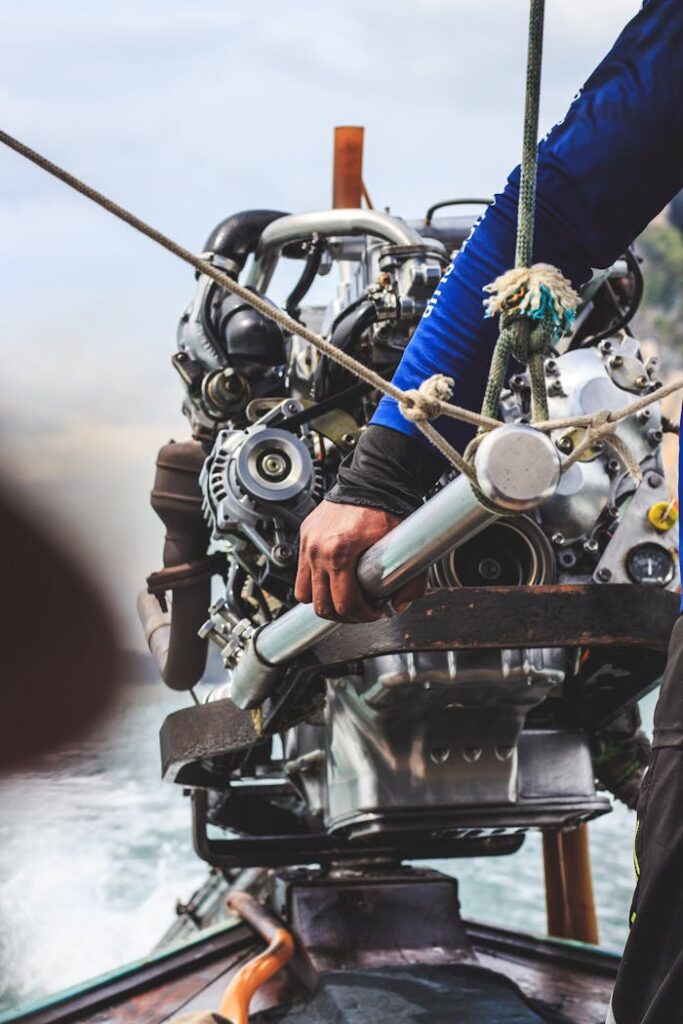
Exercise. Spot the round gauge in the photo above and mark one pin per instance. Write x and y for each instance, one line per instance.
(650, 564)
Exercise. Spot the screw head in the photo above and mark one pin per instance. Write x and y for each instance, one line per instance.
(558, 539)
(551, 366)
(591, 547)
(642, 382)
(504, 753)
(604, 574)
(654, 480)
(565, 444)
(616, 361)
(605, 347)
(283, 553)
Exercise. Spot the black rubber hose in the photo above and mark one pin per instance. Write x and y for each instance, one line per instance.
(625, 318)
(311, 267)
(347, 329)
(238, 235)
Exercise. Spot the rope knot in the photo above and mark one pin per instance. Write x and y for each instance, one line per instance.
(540, 293)
(424, 403)
(599, 419)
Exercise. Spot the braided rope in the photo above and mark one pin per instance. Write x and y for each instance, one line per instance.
(419, 405)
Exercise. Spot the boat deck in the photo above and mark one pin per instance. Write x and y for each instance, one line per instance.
(568, 978)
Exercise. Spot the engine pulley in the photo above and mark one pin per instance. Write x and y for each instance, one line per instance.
(273, 465)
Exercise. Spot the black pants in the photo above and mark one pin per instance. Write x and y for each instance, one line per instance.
(649, 987)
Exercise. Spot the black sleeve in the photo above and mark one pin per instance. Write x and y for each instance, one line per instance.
(389, 471)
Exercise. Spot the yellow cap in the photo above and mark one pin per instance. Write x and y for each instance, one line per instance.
(663, 515)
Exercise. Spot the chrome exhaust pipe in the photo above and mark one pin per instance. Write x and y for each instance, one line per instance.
(518, 468)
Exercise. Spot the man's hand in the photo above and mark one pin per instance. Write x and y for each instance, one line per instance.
(333, 538)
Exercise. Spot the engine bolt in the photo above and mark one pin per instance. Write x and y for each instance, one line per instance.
(558, 539)
(551, 366)
(591, 547)
(654, 480)
(613, 467)
(555, 388)
(642, 381)
(616, 361)
(349, 440)
(605, 347)
(644, 415)
(565, 444)
(518, 381)
(654, 437)
(604, 574)
(273, 465)
(283, 553)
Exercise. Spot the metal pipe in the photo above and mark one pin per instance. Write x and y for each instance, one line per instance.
(518, 467)
(347, 176)
(449, 518)
(336, 222)
(325, 223)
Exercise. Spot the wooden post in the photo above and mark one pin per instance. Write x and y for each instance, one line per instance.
(569, 886)
(559, 921)
(579, 885)
(347, 187)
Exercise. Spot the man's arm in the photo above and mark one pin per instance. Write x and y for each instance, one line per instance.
(603, 173)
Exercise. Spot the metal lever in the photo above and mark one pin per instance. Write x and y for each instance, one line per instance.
(518, 468)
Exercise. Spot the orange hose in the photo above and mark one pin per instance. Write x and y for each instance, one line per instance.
(235, 1003)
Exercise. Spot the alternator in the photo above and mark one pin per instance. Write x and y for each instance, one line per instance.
(258, 484)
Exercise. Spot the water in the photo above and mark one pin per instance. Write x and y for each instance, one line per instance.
(95, 850)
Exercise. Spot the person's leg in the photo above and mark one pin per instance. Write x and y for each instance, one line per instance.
(649, 986)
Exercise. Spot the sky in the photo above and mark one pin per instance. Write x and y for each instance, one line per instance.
(186, 112)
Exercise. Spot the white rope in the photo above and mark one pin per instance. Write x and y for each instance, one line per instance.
(419, 405)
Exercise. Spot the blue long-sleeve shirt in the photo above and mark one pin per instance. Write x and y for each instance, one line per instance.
(603, 173)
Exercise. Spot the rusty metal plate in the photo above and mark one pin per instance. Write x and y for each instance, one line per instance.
(623, 615)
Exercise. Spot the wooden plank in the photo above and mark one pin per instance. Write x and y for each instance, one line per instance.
(176, 973)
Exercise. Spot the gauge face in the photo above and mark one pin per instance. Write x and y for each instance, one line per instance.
(650, 564)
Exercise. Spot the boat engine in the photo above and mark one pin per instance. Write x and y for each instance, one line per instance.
(472, 717)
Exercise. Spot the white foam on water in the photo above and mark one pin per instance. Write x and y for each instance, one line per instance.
(95, 850)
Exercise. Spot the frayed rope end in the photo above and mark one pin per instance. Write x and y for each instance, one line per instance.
(540, 292)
